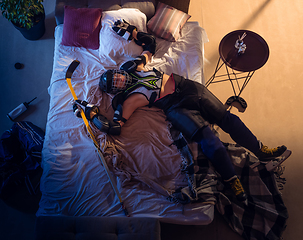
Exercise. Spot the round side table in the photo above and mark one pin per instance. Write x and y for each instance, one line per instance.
(239, 65)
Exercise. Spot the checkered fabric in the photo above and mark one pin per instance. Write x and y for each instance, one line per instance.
(264, 218)
(201, 177)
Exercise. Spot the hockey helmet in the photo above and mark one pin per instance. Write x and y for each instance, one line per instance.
(114, 81)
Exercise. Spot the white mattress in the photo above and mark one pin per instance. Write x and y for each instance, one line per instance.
(74, 182)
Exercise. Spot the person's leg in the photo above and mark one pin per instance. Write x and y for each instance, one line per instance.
(216, 152)
(240, 133)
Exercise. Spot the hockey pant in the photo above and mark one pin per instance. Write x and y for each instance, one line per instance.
(190, 111)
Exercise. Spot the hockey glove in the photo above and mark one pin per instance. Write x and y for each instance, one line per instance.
(105, 125)
(131, 66)
(147, 41)
(124, 29)
(90, 110)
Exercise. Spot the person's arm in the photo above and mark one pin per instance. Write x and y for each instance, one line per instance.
(147, 54)
(133, 102)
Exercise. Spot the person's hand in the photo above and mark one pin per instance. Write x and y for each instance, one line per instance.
(89, 109)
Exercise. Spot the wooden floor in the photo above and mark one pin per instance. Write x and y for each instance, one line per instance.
(274, 94)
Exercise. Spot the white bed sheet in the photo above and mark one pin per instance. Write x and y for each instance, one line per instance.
(74, 182)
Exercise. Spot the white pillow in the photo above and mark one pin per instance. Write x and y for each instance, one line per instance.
(113, 48)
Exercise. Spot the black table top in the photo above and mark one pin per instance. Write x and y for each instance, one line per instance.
(254, 57)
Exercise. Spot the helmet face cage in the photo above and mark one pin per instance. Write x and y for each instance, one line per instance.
(113, 81)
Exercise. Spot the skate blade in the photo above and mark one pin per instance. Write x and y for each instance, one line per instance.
(273, 164)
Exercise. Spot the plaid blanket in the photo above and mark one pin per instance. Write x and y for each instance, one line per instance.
(264, 218)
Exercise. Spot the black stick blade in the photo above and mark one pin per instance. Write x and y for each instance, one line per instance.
(71, 68)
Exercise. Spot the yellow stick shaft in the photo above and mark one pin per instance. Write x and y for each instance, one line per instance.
(96, 145)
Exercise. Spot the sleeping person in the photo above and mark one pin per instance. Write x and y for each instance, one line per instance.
(188, 105)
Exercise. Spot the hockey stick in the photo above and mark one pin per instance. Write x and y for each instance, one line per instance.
(72, 67)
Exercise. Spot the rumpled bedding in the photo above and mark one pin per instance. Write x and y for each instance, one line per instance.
(144, 161)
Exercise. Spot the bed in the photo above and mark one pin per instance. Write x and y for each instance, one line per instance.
(144, 161)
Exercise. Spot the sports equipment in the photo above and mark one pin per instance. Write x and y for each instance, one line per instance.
(266, 153)
(238, 189)
(114, 81)
(191, 105)
(131, 66)
(124, 29)
(147, 41)
(118, 114)
(68, 76)
(90, 110)
(105, 125)
(273, 163)
(101, 122)
(143, 82)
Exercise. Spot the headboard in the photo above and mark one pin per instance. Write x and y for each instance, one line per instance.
(147, 7)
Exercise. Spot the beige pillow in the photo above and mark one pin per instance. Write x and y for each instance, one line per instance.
(167, 22)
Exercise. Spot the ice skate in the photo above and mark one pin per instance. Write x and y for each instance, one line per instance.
(274, 163)
(238, 189)
(266, 153)
(272, 157)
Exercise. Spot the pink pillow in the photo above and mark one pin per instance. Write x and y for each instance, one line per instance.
(81, 27)
(167, 22)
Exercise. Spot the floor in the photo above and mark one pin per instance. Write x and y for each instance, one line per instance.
(22, 85)
(17, 217)
(274, 94)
